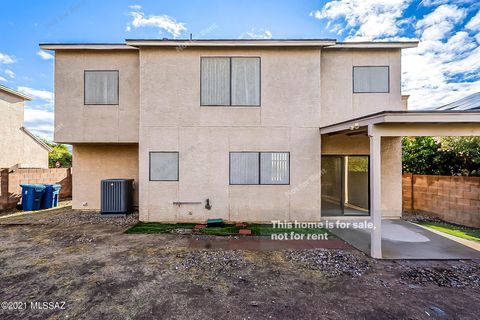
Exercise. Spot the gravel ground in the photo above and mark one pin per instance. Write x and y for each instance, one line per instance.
(101, 273)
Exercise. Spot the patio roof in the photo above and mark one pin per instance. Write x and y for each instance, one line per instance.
(426, 117)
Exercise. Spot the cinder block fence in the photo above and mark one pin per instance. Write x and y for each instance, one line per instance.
(452, 199)
(10, 181)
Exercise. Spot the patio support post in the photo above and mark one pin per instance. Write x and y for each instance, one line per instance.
(375, 193)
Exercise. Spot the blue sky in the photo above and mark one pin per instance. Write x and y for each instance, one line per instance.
(445, 66)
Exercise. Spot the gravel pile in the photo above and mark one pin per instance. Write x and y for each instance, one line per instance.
(88, 217)
(461, 276)
(332, 263)
(420, 217)
(228, 263)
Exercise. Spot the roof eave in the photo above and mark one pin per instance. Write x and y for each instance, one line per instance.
(85, 46)
(375, 45)
(229, 43)
(15, 93)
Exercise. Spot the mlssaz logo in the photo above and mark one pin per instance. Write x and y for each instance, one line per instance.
(45, 305)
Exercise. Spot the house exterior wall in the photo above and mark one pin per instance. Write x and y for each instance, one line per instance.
(171, 119)
(94, 162)
(17, 147)
(338, 102)
(79, 123)
(301, 90)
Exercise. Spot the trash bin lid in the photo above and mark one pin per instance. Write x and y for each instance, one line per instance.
(37, 187)
(54, 186)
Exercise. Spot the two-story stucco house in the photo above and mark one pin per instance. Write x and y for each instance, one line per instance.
(18, 146)
(264, 129)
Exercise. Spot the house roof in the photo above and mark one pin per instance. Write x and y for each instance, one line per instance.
(37, 139)
(135, 43)
(14, 92)
(404, 116)
(471, 102)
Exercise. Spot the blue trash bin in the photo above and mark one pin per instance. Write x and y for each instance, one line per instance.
(32, 196)
(50, 196)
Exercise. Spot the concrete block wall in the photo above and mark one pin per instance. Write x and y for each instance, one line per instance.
(11, 191)
(452, 199)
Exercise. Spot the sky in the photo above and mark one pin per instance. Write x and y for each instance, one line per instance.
(444, 67)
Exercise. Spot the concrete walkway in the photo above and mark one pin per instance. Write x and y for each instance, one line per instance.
(405, 240)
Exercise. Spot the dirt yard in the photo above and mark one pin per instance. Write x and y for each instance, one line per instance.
(87, 268)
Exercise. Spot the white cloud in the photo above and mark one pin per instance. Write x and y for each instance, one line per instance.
(260, 34)
(45, 55)
(446, 64)
(37, 94)
(6, 59)
(135, 7)
(3, 79)
(366, 20)
(438, 24)
(474, 23)
(10, 73)
(40, 122)
(162, 22)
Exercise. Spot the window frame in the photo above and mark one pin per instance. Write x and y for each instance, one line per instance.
(85, 88)
(150, 165)
(369, 66)
(230, 83)
(259, 169)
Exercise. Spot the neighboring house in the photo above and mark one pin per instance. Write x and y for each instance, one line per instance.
(18, 146)
(264, 129)
(471, 102)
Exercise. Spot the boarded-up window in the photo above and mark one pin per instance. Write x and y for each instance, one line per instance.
(274, 168)
(163, 166)
(370, 79)
(229, 81)
(259, 168)
(244, 168)
(245, 81)
(215, 82)
(101, 87)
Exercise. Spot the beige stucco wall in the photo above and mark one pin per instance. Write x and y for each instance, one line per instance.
(171, 119)
(391, 181)
(301, 90)
(16, 146)
(78, 123)
(338, 102)
(94, 162)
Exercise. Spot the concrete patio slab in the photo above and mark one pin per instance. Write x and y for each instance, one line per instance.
(405, 240)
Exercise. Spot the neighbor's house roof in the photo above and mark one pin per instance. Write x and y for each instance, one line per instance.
(14, 92)
(135, 43)
(37, 139)
(471, 102)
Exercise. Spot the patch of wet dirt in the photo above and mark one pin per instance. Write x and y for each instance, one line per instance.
(101, 273)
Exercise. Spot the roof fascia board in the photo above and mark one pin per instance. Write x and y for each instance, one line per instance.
(230, 43)
(66, 46)
(15, 93)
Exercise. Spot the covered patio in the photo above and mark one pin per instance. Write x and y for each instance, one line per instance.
(384, 130)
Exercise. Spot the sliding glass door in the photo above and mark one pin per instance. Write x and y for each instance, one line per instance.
(345, 186)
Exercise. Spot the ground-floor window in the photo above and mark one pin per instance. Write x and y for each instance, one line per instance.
(345, 185)
(269, 168)
(163, 166)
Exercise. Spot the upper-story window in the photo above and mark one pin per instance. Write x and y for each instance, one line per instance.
(371, 79)
(101, 87)
(230, 81)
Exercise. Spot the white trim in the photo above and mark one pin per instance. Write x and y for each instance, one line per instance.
(66, 46)
(15, 93)
(375, 45)
(230, 43)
